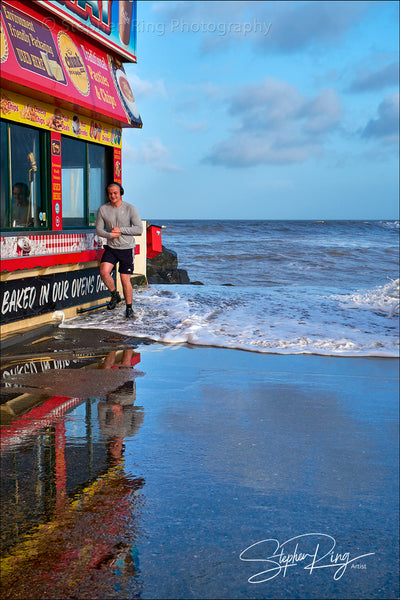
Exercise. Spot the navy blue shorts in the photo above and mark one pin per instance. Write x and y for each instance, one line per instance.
(123, 257)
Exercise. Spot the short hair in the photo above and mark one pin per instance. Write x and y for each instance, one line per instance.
(115, 183)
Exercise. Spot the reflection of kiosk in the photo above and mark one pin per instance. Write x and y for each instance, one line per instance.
(51, 475)
(65, 99)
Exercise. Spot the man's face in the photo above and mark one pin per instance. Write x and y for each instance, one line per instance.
(114, 194)
(19, 196)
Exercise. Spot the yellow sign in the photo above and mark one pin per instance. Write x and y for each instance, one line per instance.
(21, 109)
(73, 63)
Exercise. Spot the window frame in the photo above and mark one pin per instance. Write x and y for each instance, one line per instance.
(45, 169)
(45, 187)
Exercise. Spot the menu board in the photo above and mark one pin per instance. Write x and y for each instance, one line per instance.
(60, 64)
(56, 180)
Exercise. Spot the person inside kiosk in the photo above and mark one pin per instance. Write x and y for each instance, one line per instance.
(21, 213)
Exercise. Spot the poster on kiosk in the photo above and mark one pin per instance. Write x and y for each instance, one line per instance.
(59, 63)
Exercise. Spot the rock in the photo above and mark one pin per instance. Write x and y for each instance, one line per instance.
(163, 268)
(169, 276)
(166, 260)
(138, 280)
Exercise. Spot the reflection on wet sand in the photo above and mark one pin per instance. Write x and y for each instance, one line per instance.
(69, 510)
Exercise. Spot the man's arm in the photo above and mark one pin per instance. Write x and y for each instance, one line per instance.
(136, 225)
(100, 226)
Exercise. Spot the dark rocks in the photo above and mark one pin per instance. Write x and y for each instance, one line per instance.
(138, 280)
(163, 268)
(169, 276)
(165, 261)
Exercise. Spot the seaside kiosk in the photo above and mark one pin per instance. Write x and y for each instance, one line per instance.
(65, 99)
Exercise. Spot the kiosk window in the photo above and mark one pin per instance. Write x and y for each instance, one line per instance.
(97, 159)
(4, 194)
(73, 157)
(20, 196)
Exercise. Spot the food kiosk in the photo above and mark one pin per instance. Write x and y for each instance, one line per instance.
(65, 100)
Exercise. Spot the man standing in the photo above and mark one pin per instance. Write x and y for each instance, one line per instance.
(118, 222)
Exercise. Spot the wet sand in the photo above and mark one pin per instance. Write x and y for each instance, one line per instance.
(241, 475)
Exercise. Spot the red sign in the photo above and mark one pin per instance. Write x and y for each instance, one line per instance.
(57, 63)
(56, 183)
(117, 165)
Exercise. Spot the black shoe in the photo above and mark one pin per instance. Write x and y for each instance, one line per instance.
(115, 298)
(129, 313)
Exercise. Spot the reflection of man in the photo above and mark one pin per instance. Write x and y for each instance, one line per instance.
(110, 360)
(20, 208)
(118, 417)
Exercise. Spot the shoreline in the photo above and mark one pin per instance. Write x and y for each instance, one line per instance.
(34, 336)
(148, 340)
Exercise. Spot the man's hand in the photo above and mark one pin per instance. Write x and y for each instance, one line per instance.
(115, 232)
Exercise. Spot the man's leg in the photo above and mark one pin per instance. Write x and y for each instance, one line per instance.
(105, 274)
(127, 287)
(125, 272)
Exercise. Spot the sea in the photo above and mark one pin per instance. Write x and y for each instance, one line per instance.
(283, 287)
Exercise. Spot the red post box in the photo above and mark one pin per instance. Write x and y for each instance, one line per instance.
(154, 245)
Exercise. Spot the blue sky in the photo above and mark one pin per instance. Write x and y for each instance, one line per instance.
(265, 110)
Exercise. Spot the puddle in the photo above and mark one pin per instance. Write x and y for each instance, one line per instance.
(128, 474)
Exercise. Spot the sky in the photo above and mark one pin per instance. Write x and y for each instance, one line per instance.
(265, 110)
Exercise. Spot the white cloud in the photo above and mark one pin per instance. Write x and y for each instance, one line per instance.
(276, 105)
(193, 126)
(300, 25)
(150, 152)
(146, 89)
(246, 150)
(281, 26)
(386, 125)
(367, 79)
(266, 105)
(276, 124)
(322, 112)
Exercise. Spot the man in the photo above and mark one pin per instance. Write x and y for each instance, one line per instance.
(118, 222)
(20, 210)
